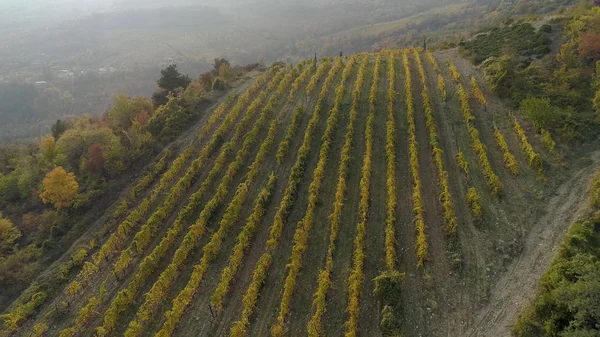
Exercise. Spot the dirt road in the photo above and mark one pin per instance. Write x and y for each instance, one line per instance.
(518, 286)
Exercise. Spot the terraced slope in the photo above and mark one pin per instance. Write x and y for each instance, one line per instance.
(296, 195)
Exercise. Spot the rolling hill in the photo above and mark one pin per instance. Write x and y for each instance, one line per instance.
(362, 196)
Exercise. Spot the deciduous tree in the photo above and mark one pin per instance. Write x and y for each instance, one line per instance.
(126, 110)
(59, 188)
(48, 147)
(8, 233)
(589, 47)
(218, 62)
(95, 162)
(225, 72)
(206, 80)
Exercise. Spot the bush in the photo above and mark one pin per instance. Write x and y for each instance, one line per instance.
(567, 301)
(219, 84)
(520, 37)
(542, 114)
(595, 191)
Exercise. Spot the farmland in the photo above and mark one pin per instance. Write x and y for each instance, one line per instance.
(297, 194)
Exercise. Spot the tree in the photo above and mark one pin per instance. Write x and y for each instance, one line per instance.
(74, 144)
(225, 72)
(48, 147)
(543, 114)
(160, 97)
(194, 95)
(589, 47)
(206, 80)
(59, 188)
(127, 109)
(172, 79)
(59, 128)
(95, 162)
(217, 65)
(170, 119)
(8, 233)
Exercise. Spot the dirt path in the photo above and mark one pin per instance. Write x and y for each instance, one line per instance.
(517, 287)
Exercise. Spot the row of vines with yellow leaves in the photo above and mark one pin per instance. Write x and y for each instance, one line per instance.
(493, 181)
(154, 297)
(304, 226)
(261, 269)
(390, 155)
(117, 239)
(445, 197)
(356, 277)
(142, 239)
(315, 325)
(418, 208)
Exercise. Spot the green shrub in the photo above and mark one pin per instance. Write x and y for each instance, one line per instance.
(595, 191)
(568, 295)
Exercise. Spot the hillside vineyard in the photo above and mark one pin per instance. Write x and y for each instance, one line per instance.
(295, 200)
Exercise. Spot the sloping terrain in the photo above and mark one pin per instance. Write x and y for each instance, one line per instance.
(293, 197)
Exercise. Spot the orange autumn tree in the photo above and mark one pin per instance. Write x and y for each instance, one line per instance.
(59, 188)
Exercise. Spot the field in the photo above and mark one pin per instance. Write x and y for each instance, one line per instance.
(296, 195)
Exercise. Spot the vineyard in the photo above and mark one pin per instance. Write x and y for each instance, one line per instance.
(368, 195)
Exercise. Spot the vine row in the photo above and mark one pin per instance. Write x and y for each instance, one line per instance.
(115, 241)
(446, 198)
(509, 159)
(492, 179)
(390, 154)
(533, 158)
(324, 279)
(284, 146)
(150, 263)
(304, 226)
(213, 247)
(356, 277)
(414, 166)
(262, 266)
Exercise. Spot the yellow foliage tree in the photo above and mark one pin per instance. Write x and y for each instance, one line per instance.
(48, 147)
(8, 233)
(59, 188)
(225, 73)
